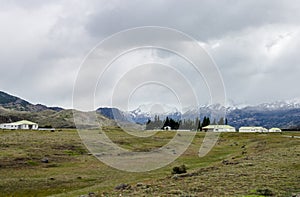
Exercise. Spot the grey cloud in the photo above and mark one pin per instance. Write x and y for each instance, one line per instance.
(202, 19)
(263, 73)
(254, 43)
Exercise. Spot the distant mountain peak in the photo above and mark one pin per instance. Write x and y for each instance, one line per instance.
(276, 105)
(155, 109)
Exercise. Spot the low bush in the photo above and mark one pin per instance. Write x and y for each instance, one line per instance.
(179, 169)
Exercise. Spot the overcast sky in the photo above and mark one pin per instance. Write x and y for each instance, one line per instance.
(254, 43)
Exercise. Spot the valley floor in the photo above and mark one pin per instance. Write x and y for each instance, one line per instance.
(41, 163)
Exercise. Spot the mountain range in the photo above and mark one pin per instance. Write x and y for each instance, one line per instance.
(282, 114)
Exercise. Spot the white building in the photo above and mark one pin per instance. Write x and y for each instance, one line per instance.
(253, 129)
(218, 128)
(275, 130)
(23, 124)
(167, 128)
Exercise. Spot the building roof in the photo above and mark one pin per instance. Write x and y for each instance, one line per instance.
(218, 126)
(252, 127)
(22, 122)
(274, 128)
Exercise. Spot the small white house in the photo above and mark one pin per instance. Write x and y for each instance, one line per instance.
(218, 128)
(253, 130)
(23, 124)
(275, 130)
(167, 128)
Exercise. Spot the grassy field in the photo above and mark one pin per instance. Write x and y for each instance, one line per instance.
(247, 164)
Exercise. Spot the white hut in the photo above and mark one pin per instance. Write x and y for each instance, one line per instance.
(218, 128)
(253, 130)
(167, 128)
(23, 124)
(275, 130)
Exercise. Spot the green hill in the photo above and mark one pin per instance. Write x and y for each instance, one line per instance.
(14, 109)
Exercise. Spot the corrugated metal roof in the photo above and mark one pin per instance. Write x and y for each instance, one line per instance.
(22, 122)
(251, 127)
(274, 129)
(218, 126)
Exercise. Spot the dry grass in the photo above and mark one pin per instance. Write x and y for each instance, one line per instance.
(240, 164)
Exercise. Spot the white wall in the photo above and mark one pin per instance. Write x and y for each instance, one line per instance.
(12, 126)
(8, 126)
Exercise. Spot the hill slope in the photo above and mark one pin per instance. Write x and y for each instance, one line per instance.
(14, 109)
(15, 103)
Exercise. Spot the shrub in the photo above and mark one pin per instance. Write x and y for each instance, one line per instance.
(48, 126)
(264, 192)
(179, 169)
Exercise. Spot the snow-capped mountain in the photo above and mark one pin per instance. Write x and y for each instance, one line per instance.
(277, 105)
(283, 114)
(145, 112)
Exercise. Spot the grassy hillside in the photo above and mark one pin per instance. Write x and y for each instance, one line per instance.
(56, 119)
(239, 165)
(15, 103)
(13, 109)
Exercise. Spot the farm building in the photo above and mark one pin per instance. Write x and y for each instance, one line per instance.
(275, 130)
(219, 128)
(167, 128)
(23, 124)
(252, 129)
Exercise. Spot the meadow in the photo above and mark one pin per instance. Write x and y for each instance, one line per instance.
(44, 163)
